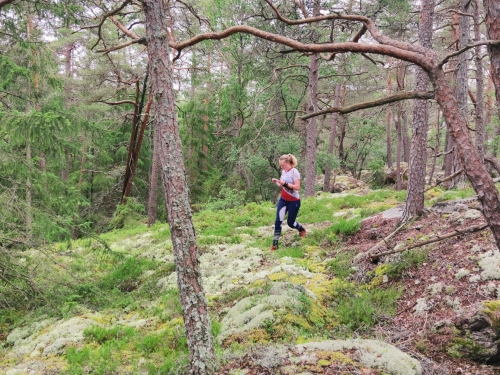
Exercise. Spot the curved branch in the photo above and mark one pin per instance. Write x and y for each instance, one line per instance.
(374, 103)
(124, 30)
(368, 23)
(460, 51)
(106, 15)
(423, 57)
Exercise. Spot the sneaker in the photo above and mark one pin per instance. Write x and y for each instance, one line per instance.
(274, 245)
(302, 233)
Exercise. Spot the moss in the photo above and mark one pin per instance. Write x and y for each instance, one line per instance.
(279, 276)
(324, 363)
(463, 346)
(492, 309)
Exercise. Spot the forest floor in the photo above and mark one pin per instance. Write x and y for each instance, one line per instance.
(447, 282)
(121, 315)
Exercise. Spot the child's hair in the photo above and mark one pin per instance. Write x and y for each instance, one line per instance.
(289, 158)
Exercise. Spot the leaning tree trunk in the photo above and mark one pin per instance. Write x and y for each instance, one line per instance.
(194, 304)
(473, 166)
(333, 135)
(414, 205)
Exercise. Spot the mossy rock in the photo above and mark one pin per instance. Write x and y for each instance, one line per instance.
(479, 337)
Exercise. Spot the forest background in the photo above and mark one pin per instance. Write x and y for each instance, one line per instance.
(79, 152)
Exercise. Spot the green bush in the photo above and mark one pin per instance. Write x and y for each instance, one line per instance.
(362, 308)
(347, 227)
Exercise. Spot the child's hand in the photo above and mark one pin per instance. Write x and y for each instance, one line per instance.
(274, 180)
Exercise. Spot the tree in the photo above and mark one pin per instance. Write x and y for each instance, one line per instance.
(414, 204)
(194, 303)
(427, 59)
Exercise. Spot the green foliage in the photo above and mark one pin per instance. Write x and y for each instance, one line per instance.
(100, 335)
(341, 265)
(127, 214)
(408, 260)
(226, 199)
(362, 307)
(347, 227)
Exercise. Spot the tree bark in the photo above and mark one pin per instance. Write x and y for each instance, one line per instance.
(311, 128)
(461, 84)
(492, 19)
(153, 184)
(194, 304)
(399, 144)
(474, 167)
(388, 122)
(479, 107)
(414, 204)
(333, 135)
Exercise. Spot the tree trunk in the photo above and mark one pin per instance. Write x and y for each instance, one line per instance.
(333, 135)
(436, 148)
(153, 184)
(461, 85)
(311, 130)
(406, 138)
(388, 121)
(474, 167)
(399, 144)
(492, 18)
(194, 304)
(480, 132)
(414, 204)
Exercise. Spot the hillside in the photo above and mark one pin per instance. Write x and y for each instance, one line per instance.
(316, 305)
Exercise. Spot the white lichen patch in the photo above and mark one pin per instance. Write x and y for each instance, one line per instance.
(255, 311)
(461, 273)
(454, 303)
(490, 264)
(435, 288)
(53, 339)
(474, 279)
(422, 306)
(225, 267)
(370, 353)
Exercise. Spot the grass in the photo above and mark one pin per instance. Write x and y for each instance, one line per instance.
(115, 281)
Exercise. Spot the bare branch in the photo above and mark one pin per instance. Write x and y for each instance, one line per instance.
(122, 27)
(399, 50)
(103, 19)
(374, 103)
(118, 103)
(438, 238)
(460, 51)
(439, 182)
(123, 45)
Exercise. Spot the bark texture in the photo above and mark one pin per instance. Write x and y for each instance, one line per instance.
(194, 303)
(311, 129)
(479, 105)
(333, 135)
(492, 19)
(414, 204)
(153, 183)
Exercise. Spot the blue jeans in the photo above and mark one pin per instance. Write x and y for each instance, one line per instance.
(284, 207)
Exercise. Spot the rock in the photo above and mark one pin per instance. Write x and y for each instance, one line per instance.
(344, 183)
(480, 334)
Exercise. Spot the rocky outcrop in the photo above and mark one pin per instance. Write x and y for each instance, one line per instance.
(479, 337)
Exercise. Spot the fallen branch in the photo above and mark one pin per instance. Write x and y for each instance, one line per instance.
(439, 182)
(438, 238)
(385, 239)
